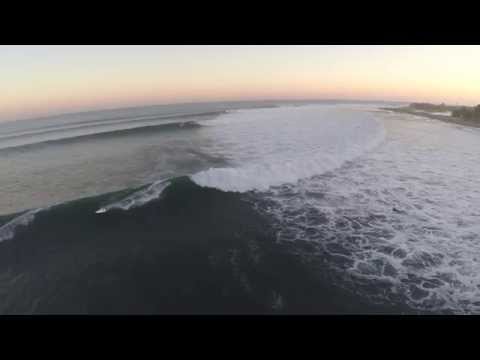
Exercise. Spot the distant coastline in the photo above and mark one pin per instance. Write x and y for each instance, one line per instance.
(462, 115)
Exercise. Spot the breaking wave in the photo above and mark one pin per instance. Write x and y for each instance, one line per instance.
(270, 147)
(138, 198)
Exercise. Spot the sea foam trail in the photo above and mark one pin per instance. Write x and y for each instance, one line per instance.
(138, 198)
(400, 224)
(270, 147)
(7, 231)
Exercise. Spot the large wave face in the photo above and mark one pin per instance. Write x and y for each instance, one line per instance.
(192, 251)
(401, 223)
(275, 146)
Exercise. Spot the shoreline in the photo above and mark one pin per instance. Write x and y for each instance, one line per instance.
(444, 118)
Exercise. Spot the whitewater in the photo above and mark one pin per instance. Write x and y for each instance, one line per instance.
(400, 224)
(274, 146)
(392, 201)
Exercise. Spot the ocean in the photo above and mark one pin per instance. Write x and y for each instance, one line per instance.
(273, 207)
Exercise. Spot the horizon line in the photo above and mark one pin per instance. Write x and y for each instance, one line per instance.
(59, 114)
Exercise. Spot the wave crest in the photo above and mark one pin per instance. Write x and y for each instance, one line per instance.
(138, 198)
(7, 231)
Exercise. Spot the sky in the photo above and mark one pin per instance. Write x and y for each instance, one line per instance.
(43, 80)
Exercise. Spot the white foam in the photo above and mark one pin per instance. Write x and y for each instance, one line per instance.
(445, 113)
(274, 146)
(138, 198)
(402, 222)
(7, 231)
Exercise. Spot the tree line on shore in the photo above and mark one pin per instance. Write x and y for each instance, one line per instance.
(471, 113)
(463, 112)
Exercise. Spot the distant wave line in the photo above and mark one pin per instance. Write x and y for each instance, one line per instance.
(103, 122)
(107, 134)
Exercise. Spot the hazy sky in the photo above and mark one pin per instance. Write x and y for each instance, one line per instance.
(40, 80)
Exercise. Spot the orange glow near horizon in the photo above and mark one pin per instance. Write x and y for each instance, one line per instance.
(42, 80)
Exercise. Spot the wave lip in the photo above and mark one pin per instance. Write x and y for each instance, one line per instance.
(138, 198)
(283, 145)
(7, 231)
